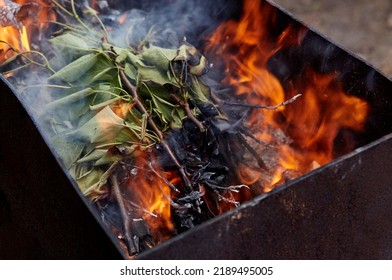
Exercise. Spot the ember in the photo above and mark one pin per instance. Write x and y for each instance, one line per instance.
(156, 136)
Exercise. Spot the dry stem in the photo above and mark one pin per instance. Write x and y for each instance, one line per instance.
(188, 112)
(132, 250)
(155, 128)
(289, 101)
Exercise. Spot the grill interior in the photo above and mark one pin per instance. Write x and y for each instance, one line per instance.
(338, 211)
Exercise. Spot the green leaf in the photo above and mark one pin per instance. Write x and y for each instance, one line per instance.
(160, 107)
(123, 54)
(91, 181)
(134, 59)
(70, 42)
(68, 150)
(103, 104)
(99, 75)
(178, 114)
(75, 69)
(159, 57)
(130, 71)
(154, 74)
(69, 99)
(104, 126)
(95, 155)
(199, 91)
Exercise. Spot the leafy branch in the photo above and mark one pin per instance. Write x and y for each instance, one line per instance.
(112, 103)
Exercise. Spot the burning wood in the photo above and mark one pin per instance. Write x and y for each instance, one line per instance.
(149, 135)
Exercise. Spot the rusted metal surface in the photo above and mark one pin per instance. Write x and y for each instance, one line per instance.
(42, 216)
(340, 211)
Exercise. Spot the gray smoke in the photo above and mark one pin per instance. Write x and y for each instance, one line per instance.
(169, 22)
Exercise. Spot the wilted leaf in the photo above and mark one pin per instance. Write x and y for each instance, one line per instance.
(199, 91)
(160, 107)
(154, 74)
(104, 126)
(159, 57)
(177, 115)
(69, 41)
(76, 69)
(197, 63)
(68, 150)
(199, 69)
(90, 182)
(95, 155)
(95, 188)
(107, 159)
(103, 71)
(130, 71)
(67, 101)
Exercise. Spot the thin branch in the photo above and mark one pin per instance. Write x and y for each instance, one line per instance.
(76, 16)
(140, 106)
(132, 250)
(171, 186)
(286, 102)
(188, 112)
(255, 154)
(62, 8)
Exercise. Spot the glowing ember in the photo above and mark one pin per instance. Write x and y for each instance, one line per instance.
(312, 122)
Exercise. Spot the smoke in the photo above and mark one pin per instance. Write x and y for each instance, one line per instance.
(165, 23)
(168, 23)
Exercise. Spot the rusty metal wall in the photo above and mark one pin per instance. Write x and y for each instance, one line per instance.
(341, 211)
(41, 214)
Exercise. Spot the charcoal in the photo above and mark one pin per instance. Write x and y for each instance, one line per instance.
(208, 110)
(193, 196)
(142, 237)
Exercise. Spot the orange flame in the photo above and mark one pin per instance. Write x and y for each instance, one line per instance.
(31, 19)
(311, 123)
(152, 194)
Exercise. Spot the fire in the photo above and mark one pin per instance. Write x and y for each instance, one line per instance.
(22, 21)
(312, 123)
(300, 136)
(147, 187)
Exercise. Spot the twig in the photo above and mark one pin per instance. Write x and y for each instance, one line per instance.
(132, 250)
(259, 160)
(155, 128)
(221, 197)
(171, 186)
(188, 112)
(291, 100)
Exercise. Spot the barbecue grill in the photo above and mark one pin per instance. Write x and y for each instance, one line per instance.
(339, 211)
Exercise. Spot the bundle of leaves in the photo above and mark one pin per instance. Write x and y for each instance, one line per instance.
(99, 113)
